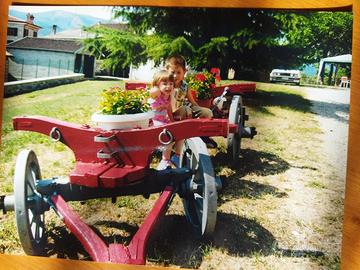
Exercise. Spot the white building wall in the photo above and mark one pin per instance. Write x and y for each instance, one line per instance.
(20, 28)
(31, 32)
(144, 72)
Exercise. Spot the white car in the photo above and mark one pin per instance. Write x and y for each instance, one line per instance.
(285, 75)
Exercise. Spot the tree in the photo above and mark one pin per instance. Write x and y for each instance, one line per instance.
(323, 34)
(250, 41)
(219, 37)
(117, 48)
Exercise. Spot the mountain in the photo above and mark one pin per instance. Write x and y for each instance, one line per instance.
(63, 19)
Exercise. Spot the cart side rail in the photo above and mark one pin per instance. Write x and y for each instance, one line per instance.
(116, 157)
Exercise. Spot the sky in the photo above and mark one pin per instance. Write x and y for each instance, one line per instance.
(102, 12)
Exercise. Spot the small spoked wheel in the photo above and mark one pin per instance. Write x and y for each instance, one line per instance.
(200, 199)
(236, 116)
(29, 205)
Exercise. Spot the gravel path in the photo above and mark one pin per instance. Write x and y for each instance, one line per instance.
(331, 107)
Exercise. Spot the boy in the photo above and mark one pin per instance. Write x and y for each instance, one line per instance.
(183, 104)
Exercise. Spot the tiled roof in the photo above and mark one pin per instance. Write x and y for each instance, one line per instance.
(71, 34)
(117, 26)
(14, 19)
(46, 44)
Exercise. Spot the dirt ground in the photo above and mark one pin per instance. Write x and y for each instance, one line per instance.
(332, 112)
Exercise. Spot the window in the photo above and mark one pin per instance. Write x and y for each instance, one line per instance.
(12, 31)
(26, 32)
(35, 34)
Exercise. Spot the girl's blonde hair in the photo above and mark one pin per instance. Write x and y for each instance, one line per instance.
(162, 75)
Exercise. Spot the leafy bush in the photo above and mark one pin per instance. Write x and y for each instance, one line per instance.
(119, 101)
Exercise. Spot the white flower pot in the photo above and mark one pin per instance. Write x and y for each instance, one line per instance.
(125, 121)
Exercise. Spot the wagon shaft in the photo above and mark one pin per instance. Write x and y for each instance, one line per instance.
(134, 253)
(155, 182)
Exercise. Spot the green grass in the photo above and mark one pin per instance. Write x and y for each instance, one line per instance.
(72, 102)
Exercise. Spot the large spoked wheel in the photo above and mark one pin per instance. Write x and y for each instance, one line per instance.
(200, 199)
(29, 205)
(236, 116)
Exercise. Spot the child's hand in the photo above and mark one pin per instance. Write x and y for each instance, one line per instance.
(154, 92)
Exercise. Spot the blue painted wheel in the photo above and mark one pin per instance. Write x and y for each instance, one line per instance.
(200, 200)
(29, 204)
(234, 139)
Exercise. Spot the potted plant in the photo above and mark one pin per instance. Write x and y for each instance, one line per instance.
(201, 84)
(123, 109)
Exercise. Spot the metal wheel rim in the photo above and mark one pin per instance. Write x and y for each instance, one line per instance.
(29, 213)
(201, 206)
(234, 139)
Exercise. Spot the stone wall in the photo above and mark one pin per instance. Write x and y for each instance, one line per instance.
(25, 86)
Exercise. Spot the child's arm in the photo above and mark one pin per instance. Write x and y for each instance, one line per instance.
(190, 97)
(154, 92)
(170, 112)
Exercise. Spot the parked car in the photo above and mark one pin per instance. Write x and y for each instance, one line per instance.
(285, 75)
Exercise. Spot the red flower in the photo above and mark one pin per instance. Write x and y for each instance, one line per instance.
(200, 77)
(215, 70)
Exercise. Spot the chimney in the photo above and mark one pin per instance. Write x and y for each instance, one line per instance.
(30, 18)
(54, 27)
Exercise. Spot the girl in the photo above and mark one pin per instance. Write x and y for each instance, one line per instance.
(161, 94)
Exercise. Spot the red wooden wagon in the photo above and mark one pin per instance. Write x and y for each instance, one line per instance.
(112, 163)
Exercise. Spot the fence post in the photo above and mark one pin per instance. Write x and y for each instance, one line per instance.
(37, 63)
(22, 68)
(49, 67)
(59, 66)
(68, 66)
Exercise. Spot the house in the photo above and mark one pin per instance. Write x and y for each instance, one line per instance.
(116, 26)
(45, 57)
(80, 34)
(73, 34)
(18, 28)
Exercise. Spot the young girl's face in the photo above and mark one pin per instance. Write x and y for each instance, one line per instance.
(166, 87)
